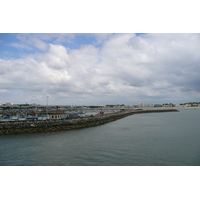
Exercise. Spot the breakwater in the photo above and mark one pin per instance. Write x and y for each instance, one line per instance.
(8, 128)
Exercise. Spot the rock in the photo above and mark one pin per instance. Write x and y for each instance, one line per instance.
(7, 128)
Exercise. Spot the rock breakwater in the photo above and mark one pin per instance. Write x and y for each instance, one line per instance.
(8, 128)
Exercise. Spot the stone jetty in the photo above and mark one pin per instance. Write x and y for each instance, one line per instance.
(19, 127)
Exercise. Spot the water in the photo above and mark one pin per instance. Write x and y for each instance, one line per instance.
(150, 139)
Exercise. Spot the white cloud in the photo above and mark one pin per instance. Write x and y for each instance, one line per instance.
(57, 57)
(2, 91)
(33, 40)
(125, 69)
(20, 46)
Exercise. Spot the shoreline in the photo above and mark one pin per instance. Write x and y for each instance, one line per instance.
(15, 128)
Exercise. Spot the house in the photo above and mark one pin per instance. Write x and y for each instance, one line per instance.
(157, 105)
(58, 115)
(73, 115)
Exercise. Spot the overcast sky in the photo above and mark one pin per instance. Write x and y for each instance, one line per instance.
(99, 69)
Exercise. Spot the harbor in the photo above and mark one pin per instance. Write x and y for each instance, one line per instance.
(50, 125)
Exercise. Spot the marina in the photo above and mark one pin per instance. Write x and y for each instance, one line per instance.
(51, 125)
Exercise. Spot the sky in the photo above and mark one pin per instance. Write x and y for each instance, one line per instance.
(99, 69)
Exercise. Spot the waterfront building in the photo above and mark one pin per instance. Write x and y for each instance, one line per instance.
(141, 105)
(148, 105)
(58, 115)
(8, 104)
(73, 115)
(157, 105)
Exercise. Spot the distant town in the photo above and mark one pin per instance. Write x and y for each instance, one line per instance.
(22, 112)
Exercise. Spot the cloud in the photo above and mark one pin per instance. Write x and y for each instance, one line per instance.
(33, 40)
(20, 46)
(3, 91)
(125, 69)
(99, 37)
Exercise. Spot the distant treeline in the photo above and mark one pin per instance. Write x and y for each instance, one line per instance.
(190, 103)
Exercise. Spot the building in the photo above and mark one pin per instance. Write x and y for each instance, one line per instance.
(141, 105)
(73, 115)
(8, 104)
(157, 105)
(148, 105)
(58, 115)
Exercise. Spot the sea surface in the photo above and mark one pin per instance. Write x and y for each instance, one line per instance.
(148, 139)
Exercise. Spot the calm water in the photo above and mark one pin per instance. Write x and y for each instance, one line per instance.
(151, 139)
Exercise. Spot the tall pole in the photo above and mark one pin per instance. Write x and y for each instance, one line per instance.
(47, 106)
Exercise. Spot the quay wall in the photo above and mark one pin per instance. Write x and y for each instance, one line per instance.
(8, 128)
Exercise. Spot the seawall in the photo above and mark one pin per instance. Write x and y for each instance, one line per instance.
(8, 128)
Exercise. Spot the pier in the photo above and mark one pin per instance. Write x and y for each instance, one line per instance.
(26, 127)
